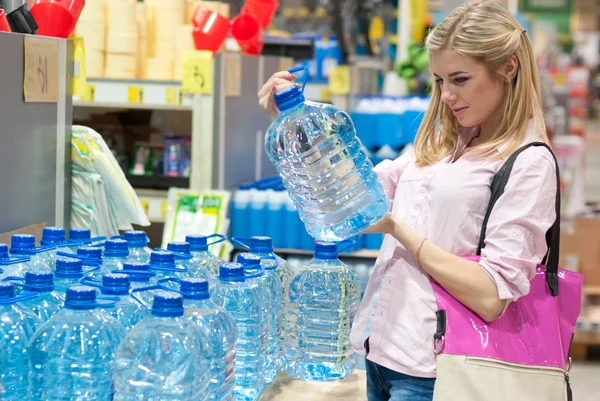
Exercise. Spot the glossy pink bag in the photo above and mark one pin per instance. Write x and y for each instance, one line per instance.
(525, 354)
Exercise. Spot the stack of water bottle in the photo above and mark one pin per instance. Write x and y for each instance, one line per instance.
(265, 208)
(119, 321)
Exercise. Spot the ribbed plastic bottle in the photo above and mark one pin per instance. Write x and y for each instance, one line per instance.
(202, 256)
(242, 299)
(116, 252)
(138, 272)
(138, 246)
(69, 271)
(24, 245)
(162, 264)
(17, 326)
(56, 237)
(322, 301)
(166, 357)
(184, 257)
(263, 247)
(222, 332)
(48, 301)
(72, 355)
(127, 310)
(14, 266)
(273, 301)
(79, 237)
(324, 167)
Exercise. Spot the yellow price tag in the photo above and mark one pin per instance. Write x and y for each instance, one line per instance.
(325, 95)
(145, 205)
(135, 94)
(197, 72)
(89, 93)
(339, 80)
(40, 69)
(173, 96)
(164, 207)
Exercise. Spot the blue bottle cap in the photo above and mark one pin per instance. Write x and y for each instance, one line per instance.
(194, 288)
(3, 251)
(116, 248)
(167, 304)
(261, 244)
(22, 242)
(183, 247)
(249, 260)
(136, 238)
(80, 297)
(39, 281)
(198, 243)
(162, 257)
(90, 252)
(7, 290)
(53, 234)
(115, 284)
(80, 233)
(232, 272)
(68, 268)
(288, 98)
(326, 250)
(136, 267)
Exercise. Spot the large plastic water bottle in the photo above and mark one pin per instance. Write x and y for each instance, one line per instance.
(69, 271)
(48, 301)
(17, 326)
(273, 301)
(322, 301)
(79, 237)
(222, 333)
(138, 246)
(116, 252)
(90, 252)
(127, 310)
(72, 355)
(56, 237)
(162, 264)
(324, 167)
(138, 272)
(24, 245)
(184, 257)
(165, 357)
(242, 299)
(15, 266)
(202, 256)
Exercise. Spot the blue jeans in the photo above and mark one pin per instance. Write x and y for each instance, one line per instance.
(386, 385)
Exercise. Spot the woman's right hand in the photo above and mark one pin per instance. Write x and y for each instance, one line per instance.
(278, 82)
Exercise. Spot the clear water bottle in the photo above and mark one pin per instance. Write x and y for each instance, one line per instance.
(202, 256)
(69, 271)
(79, 237)
(14, 266)
(72, 355)
(116, 252)
(242, 299)
(17, 326)
(324, 167)
(222, 332)
(56, 237)
(138, 246)
(48, 301)
(162, 264)
(322, 301)
(184, 257)
(272, 298)
(127, 310)
(138, 272)
(24, 245)
(165, 357)
(90, 252)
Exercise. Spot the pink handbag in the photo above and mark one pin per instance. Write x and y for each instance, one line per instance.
(524, 354)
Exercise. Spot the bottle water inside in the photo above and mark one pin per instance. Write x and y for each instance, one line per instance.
(47, 301)
(127, 310)
(116, 252)
(203, 257)
(138, 246)
(163, 265)
(24, 245)
(69, 272)
(14, 266)
(184, 257)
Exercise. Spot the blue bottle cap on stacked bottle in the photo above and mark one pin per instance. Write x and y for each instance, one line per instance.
(3, 251)
(326, 250)
(198, 243)
(93, 252)
(182, 249)
(80, 234)
(68, 268)
(53, 235)
(115, 284)
(288, 98)
(232, 272)
(194, 288)
(116, 248)
(136, 267)
(7, 290)
(136, 238)
(167, 304)
(21, 242)
(261, 244)
(162, 259)
(80, 297)
(39, 281)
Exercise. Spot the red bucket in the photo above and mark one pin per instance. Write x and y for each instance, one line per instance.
(262, 10)
(56, 17)
(248, 33)
(4, 25)
(210, 29)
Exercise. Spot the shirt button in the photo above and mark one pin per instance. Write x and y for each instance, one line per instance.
(423, 190)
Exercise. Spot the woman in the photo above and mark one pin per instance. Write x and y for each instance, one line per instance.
(485, 104)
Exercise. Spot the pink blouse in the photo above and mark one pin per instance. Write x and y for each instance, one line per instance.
(446, 202)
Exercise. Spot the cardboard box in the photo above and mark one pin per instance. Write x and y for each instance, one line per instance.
(34, 229)
(587, 241)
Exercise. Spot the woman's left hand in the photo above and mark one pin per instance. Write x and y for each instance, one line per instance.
(385, 225)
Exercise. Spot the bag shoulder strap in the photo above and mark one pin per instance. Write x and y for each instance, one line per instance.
(553, 234)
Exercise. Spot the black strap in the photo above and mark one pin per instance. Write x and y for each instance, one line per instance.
(553, 234)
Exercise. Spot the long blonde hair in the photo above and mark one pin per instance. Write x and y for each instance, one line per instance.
(487, 32)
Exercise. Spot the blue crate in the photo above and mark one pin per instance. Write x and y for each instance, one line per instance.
(411, 120)
(389, 130)
(366, 128)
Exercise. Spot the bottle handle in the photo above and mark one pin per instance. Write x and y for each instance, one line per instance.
(106, 301)
(345, 245)
(133, 292)
(135, 273)
(304, 68)
(17, 298)
(20, 282)
(241, 242)
(220, 237)
(160, 284)
(91, 282)
(85, 259)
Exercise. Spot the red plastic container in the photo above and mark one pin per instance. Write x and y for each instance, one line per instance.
(56, 17)
(4, 26)
(262, 10)
(210, 29)
(248, 33)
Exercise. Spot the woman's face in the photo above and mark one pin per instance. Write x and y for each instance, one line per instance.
(473, 93)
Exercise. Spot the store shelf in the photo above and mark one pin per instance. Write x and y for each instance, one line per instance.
(157, 182)
(591, 290)
(155, 203)
(135, 94)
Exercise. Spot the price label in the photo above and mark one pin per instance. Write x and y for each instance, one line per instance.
(164, 208)
(145, 205)
(89, 93)
(40, 69)
(339, 80)
(135, 94)
(197, 72)
(173, 96)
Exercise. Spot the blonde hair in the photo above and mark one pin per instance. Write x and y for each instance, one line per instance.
(485, 31)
